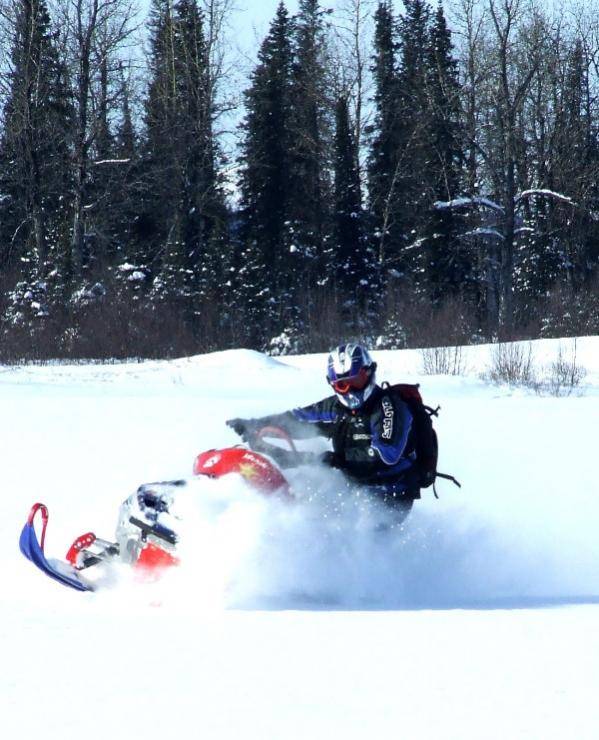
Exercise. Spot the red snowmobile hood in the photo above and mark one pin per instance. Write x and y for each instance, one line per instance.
(257, 469)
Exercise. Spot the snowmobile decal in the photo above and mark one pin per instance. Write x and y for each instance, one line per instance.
(254, 467)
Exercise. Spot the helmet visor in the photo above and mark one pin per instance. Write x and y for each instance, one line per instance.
(356, 383)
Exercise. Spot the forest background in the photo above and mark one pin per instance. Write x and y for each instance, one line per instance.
(407, 174)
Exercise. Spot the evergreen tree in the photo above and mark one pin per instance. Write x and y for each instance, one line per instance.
(159, 165)
(201, 214)
(102, 187)
(33, 148)
(448, 264)
(186, 219)
(126, 194)
(34, 178)
(386, 206)
(416, 157)
(578, 256)
(416, 167)
(264, 279)
(349, 253)
(310, 147)
(286, 160)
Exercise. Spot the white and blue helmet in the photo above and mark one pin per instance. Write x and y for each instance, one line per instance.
(351, 374)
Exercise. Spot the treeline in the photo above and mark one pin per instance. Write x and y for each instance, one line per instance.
(393, 178)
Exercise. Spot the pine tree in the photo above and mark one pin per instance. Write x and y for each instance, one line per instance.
(578, 256)
(349, 253)
(415, 150)
(126, 195)
(448, 264)
(33, 155)
(385, 202)
(187, 218)
(102, 187)
(310, 133)
(195, 157)
(286, 164)
(263, 280)
(158, 167)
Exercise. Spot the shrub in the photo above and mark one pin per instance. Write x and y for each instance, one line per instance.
(512, 363)
(565, 374)
(442, 361)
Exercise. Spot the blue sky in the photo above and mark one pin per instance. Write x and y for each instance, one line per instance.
(251, 19)
(255, 15)
(249, 24)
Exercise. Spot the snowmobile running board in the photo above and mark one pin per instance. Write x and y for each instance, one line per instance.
(33, 550)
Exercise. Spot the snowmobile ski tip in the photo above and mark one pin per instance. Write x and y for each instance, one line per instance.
(33, 550)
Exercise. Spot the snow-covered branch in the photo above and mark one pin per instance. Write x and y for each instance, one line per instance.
(542, 192)
(415, 245)
(465, 202)
(483, 232)
(111, 161)
(441, 205)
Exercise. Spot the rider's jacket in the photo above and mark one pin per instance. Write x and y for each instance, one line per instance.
(379, 442)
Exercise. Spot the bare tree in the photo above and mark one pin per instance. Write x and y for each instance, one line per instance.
(97, 36)
(351, 44)
(222, 58)
(505, 45)
(470, 20)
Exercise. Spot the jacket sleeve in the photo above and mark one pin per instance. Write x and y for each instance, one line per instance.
(316, 420)
(391, 426)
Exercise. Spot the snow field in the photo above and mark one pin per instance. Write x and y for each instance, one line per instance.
(478, 619)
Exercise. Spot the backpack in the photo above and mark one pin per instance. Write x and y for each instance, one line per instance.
(410, 395)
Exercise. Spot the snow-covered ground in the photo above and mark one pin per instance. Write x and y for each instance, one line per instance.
(480, 619)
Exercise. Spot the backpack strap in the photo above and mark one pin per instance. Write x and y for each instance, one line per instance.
(410, 393)
(445, 477)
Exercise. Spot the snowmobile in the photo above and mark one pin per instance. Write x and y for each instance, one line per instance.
(144, 538)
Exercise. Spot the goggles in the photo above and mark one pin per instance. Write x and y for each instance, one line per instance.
(356, 383)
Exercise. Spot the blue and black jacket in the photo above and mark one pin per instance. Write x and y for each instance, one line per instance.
(386, 440)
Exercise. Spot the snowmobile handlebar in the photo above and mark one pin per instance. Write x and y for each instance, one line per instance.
(290, 458)
(163, 533)
(272, 431)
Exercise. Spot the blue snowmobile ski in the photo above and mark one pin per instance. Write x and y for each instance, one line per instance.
(33, 550)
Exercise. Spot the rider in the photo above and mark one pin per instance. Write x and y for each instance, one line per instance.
(378, 439)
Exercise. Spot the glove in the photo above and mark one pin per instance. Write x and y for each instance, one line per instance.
(427, 478)
(242, 427)
(332, 459)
